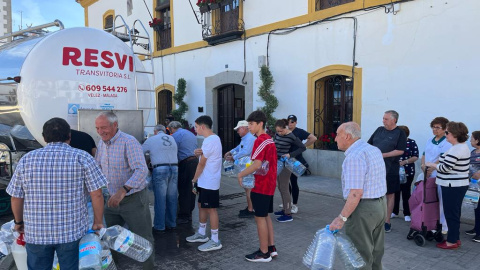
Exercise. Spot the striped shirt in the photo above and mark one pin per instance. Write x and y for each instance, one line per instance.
(123, 163)
(53, 181)
(453, 166)
(285, 143)
(364, 168)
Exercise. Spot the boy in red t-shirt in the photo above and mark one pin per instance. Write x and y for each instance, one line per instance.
(262, 194)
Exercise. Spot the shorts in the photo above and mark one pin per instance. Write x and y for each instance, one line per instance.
(208, 198)
(393, 183)
(262, 204)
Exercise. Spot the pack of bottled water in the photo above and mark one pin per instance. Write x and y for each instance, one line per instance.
(248, 181)
(348, 253)
(126, 243)
(295, 166)
(280, 165)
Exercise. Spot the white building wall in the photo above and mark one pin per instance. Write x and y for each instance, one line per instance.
(421, 62)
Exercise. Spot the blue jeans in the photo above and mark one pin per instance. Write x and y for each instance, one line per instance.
(165, 179)
(40, 257)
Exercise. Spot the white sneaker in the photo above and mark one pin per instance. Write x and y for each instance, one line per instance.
(294, 209)
(280, 205)
(197, 238)
(393, 215)
(408, 219)
(210, 245)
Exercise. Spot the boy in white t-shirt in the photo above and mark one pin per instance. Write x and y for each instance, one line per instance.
(207, 184)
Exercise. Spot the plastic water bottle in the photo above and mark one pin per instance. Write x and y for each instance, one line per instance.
(242, 163)
(4, 251)
(127, 243)
(56, 265)
(295, 166)
(8, 227)
(349, 253)
(472, 195)
(403, 176)
(248, 181)
(228, 167)
(280, 165)
(321, 253)
(90, 250)
(19, 253)
(107, 259)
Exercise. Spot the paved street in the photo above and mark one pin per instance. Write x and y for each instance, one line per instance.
(320, 201)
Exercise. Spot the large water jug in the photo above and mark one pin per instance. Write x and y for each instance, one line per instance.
(19, 253)
(280, 165)
(295, 166)
(107, 259)
(348, 253)
(127, 243)
(472, 195)
(321, 253)
(403, 176)
(90, 249)
(248, 181)
(228, 167)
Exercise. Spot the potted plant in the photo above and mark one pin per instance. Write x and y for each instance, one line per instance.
(328, 141)
(203, 5)
(156, 24)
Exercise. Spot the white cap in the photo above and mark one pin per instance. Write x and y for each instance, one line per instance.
(241, 123)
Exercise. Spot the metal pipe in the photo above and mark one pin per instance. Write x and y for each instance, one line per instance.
(38, 27)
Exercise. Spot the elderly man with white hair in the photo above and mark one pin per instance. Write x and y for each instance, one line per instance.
(364, 188)
(243, 149)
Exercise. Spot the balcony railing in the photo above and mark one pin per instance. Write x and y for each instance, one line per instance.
(164, 37)
(221, 22)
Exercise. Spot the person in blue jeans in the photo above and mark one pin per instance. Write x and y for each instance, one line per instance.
(35, 203)
(163, 156)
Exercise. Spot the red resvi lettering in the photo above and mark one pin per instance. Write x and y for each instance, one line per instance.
(72, 55)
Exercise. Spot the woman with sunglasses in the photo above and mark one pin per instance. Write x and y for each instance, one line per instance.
(433, 149)
(452, 176)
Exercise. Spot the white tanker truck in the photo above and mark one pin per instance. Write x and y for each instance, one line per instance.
(70, 73)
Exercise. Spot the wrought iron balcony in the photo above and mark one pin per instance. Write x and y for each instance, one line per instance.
(164, 36)
(221, 22)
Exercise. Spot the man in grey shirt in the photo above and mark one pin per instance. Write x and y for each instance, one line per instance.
(163, 156)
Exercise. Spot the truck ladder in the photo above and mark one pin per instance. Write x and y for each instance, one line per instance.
(132, 35)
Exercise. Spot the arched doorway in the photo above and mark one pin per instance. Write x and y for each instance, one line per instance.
(231, 109)
(334, 97)
(164, 105)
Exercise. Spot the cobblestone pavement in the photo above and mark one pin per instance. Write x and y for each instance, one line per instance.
(320, 201)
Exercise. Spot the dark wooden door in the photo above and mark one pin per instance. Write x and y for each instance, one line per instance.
(230, 111)
(164, 105)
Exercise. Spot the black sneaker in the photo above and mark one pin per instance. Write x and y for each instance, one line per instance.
(476, 238)
(471, 232)
(258, 256)
(273, 251)
(246, 214)
(243, 210)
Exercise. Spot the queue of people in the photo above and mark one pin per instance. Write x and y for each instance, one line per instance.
(181, 171)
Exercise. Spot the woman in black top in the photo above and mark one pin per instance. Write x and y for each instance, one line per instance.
(284, 140)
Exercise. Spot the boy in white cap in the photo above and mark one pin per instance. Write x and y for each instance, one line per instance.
(243, 149)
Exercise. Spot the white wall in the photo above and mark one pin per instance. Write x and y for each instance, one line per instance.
(421, 62)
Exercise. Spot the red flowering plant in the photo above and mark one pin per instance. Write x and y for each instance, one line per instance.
(156, 24)
(202, 3)
(328, 141)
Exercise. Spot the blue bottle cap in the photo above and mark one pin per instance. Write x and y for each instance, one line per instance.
(473, 180)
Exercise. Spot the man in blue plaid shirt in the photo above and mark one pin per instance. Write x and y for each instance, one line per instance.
(48, 198)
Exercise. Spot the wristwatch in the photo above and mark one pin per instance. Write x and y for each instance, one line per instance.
(343, 218)
(126, 189)
(18, 222)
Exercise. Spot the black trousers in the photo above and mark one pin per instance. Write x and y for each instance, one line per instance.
(452, 207)
(294, 190)
(477, 219)
(405, 192)
(186, 198)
